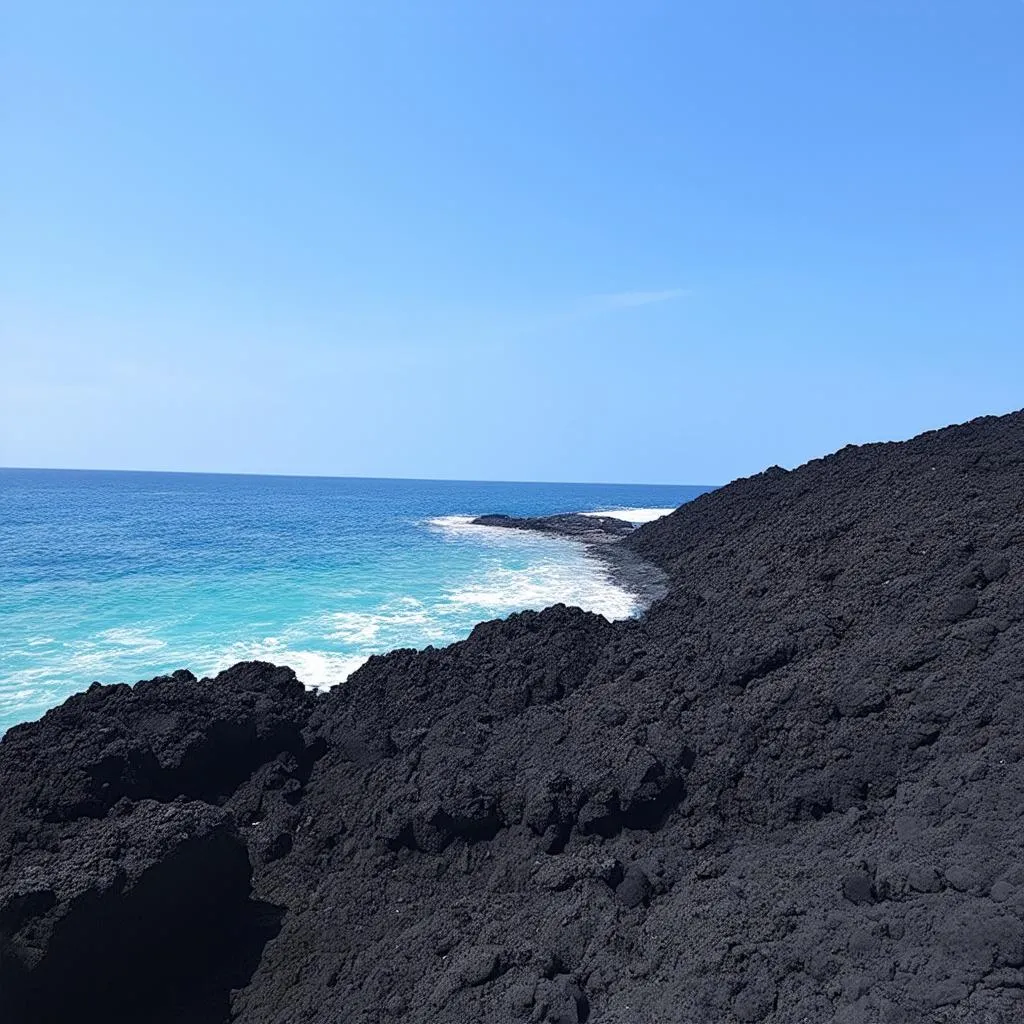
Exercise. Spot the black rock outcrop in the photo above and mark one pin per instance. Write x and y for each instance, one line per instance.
(792, 791)
(599, 534)
(589, 528)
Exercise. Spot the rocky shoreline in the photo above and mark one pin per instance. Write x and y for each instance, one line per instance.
(599, 534)
(792, 791)
(589, 529)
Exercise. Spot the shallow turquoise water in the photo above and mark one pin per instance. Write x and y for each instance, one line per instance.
(121, 576)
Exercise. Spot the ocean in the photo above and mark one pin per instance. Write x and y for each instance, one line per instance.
(117, 576)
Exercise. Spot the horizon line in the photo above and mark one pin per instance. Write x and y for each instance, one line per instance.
(329, 476)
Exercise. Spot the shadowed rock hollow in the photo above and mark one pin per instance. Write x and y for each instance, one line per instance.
(793, 791)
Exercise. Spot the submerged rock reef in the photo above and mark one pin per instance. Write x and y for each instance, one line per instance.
(792, 792)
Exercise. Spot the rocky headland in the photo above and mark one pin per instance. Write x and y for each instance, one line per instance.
(793, 791)
(590, 529)
(599, 534)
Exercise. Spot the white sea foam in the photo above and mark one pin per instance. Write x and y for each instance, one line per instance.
(134, 638)
(463, 528)
(316, 669)
(451, 522)
(580, 582)
(633, 515)
(354, 627)
(464, 525)
(402, 616)
(559, 571)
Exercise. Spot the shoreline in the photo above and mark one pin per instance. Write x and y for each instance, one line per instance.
(633, 573)
(600, 534)
(508, 826)
(365, 569)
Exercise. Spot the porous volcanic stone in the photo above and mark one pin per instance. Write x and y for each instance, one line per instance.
(792, 791)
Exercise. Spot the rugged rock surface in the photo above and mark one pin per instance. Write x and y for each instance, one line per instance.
(793, 791)
(125, 880)
(592, 529)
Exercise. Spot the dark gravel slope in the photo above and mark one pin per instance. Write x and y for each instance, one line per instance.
(793, 791)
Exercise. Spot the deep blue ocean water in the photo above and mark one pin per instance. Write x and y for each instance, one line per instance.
(122, 576)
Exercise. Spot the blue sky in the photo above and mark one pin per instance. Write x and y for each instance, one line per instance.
(596, 241)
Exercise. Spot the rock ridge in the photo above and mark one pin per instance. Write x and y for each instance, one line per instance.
(589, 528)
(792, 791)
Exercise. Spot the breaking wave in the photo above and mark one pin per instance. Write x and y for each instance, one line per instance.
(144, 574)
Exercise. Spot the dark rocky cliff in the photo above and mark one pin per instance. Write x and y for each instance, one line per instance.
(793, 791)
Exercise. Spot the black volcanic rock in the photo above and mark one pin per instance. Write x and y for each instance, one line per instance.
(125, 884)
(792, 791)
(170, 737)
(152, 902)
(572, 524)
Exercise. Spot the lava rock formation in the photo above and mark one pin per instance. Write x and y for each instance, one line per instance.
(792, 791)
(588, 528)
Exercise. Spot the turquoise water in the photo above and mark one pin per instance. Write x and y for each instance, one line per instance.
(121, 576)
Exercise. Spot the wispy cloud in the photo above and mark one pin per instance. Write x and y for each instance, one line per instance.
(629, 300)
(591, 307)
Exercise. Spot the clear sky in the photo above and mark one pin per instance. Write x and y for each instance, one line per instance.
(535, 239)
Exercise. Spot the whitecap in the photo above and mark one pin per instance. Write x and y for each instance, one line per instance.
(391, 621)
(450, 522)
(632, 515)
(353, 627)
(580, 582)
(317, 670)
(559, 571)
(133, 637)
(463, 528)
